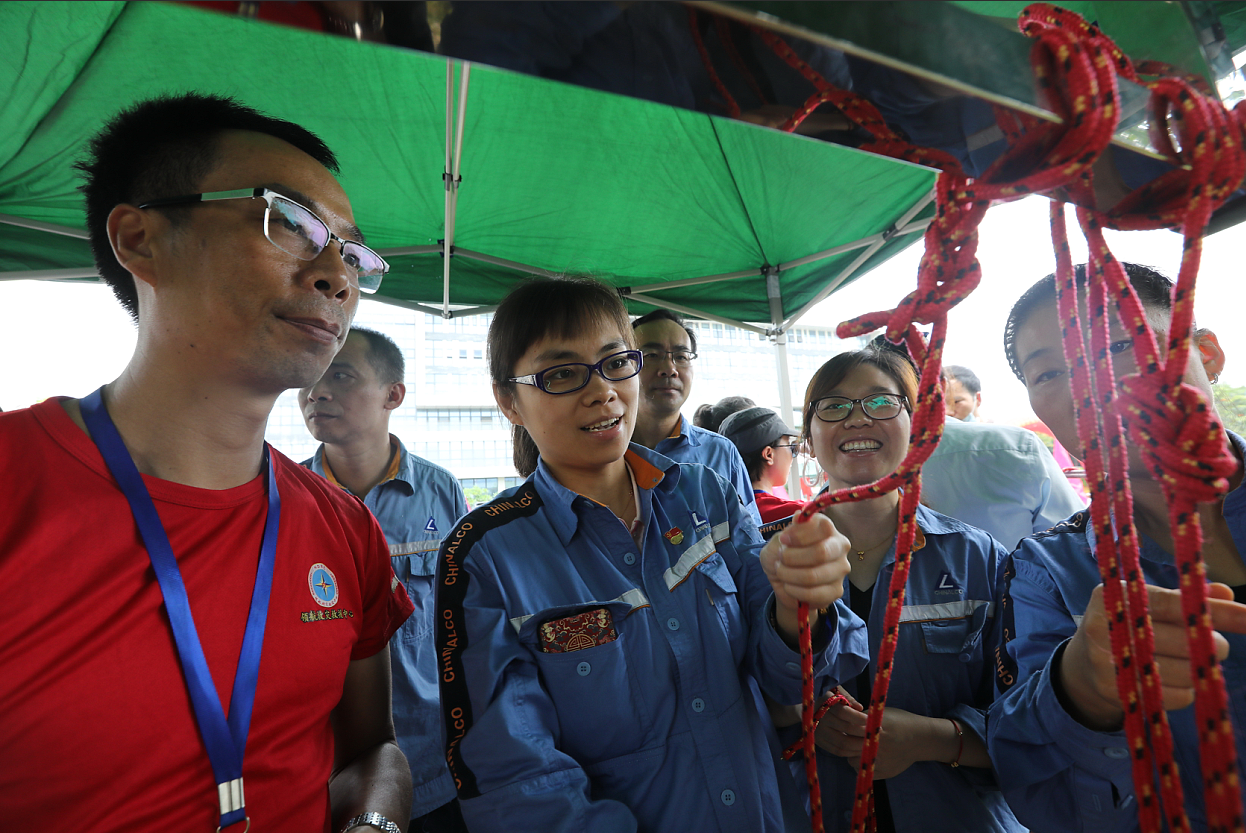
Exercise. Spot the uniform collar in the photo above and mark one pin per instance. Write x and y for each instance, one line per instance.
(564, 507)
(683, 432)
(399, 467)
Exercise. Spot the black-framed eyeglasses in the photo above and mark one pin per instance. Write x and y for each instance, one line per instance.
(568, 378)
(296, 230)
(679, 358)
(877, 406)
(792, 447)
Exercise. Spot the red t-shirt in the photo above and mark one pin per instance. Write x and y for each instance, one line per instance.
(96, 728)
(774, 508)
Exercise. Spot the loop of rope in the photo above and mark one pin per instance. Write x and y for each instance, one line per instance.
(1137, 677)
(1174, 427)
(1075, 67)
(949, 271)
(1171, 424)
(829, 703)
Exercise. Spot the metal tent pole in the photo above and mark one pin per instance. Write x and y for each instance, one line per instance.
(38, 225)
(904, 225)
(452, 175)
(50, 275)
(659, 302)
(774, 295)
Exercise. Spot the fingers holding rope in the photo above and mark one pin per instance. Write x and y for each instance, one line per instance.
(808, 563)
(1086, 675)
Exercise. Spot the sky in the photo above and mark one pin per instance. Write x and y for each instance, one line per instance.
(68, 338)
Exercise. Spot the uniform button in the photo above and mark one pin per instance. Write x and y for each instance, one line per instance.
(629, 558)
(698, 705)
(672, 623)
(1116, 752)
(728, 797)
(583, 668)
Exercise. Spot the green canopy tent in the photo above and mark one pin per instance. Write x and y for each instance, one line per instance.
(512, 175)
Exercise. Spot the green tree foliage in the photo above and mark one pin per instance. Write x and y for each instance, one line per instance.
(1231, 404)
(477, 496)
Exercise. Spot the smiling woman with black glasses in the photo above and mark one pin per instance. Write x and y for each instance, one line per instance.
(604, 626)
(932, 772)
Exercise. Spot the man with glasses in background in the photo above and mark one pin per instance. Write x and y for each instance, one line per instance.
(669, 350)
(417, 503)
(201, 638)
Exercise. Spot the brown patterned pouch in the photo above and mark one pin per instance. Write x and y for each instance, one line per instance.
(575, 633)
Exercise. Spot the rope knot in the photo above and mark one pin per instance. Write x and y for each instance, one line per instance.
(1179, 435)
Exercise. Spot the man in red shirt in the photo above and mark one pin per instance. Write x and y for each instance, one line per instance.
(226, 236)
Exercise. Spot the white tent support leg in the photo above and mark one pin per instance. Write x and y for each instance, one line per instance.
(696, 313)
(904, 225)
(774, 295)
(509, 264)
(50, 275)
(411, 305)
(47, 274)
(453, 171)
(38, 225)
(408, 250)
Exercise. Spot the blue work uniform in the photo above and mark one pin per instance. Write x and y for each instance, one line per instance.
(1000, 478)
(1057, 773)
(416, 505)
(653, 724)
(696, 445)
(943, 668)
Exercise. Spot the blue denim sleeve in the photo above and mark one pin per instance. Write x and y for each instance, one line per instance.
(972, 716)
(1055, 773)
(840, 652)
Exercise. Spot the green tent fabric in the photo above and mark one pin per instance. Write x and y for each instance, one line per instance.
(554, 178)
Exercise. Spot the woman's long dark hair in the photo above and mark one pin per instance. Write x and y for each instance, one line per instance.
(565, 308)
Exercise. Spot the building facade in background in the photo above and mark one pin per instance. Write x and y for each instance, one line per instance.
(450, 417)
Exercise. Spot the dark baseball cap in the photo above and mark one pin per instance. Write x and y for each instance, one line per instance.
(754, 428)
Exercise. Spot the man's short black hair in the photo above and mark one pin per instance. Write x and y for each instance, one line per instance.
(661, 314)
(1154, 291)
(384, 356)
(164, 147)
(965, 376)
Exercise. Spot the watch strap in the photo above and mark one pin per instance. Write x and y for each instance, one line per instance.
(372, 820)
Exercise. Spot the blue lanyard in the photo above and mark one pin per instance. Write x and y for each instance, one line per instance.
(225, 740)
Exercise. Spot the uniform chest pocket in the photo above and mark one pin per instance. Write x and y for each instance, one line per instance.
(599, 706)
(718, 586)
(960, 636)
(417, 571)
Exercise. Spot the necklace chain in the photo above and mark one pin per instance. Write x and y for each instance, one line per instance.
(861, 552)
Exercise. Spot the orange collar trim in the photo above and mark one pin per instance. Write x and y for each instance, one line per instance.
(647, 475)
(395, 463)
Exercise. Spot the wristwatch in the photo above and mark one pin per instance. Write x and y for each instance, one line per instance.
(372, 820)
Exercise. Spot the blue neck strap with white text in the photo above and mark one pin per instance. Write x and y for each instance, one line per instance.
(225, 739)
